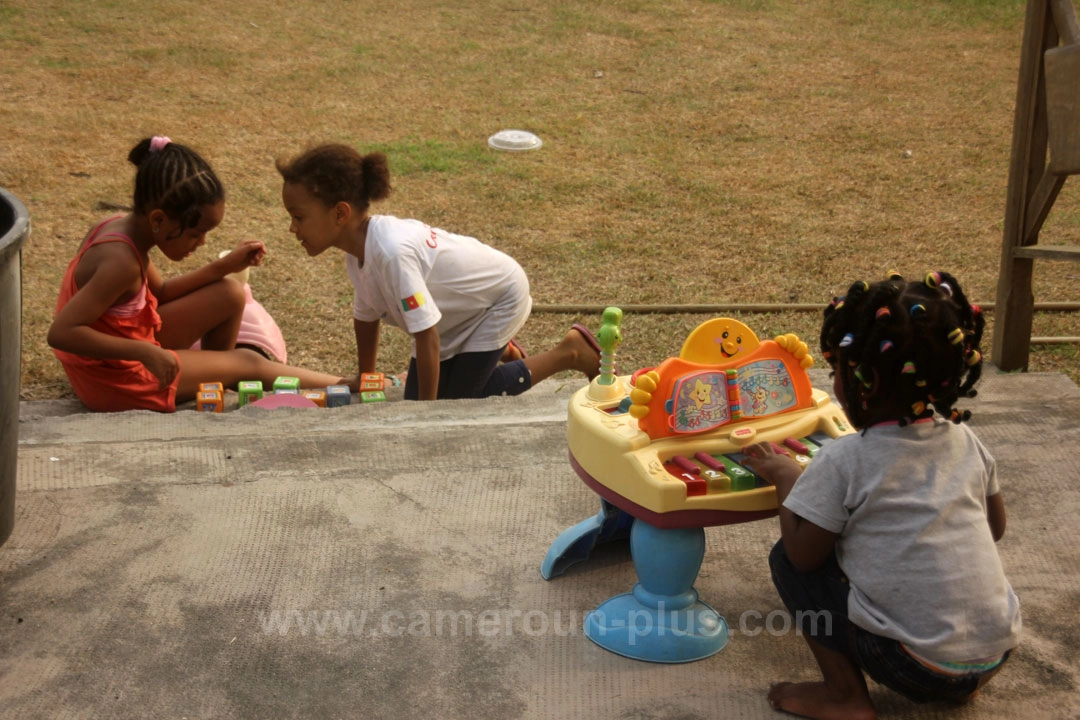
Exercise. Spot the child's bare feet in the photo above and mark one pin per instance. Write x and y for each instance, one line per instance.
(816, 700)
(578, 350)
(584, 349)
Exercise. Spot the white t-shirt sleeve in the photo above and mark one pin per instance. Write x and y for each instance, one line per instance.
(992, 485)
(402, 284)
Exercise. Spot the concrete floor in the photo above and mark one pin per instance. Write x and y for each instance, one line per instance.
(382, 561)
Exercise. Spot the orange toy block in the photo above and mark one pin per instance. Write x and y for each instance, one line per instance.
(372, 381)
(316, 396)
(210, 401)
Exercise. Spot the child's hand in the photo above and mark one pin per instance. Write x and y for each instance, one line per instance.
(775, 468)
(162, 363)
(243, 256)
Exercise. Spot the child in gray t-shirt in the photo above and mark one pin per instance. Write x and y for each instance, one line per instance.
(887, 558)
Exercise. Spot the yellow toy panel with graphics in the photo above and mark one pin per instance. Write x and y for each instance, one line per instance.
(665, 443)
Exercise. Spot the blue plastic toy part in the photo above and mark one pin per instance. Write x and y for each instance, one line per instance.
(576, 543)
(662, 620)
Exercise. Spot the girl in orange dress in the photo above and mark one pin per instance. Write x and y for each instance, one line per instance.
(122, 332)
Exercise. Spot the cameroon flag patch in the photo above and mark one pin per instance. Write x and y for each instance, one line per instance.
(412, 302)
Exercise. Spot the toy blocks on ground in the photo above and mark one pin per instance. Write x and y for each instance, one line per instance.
(372, 381)
(316, 396)
(370, 396)
(210, 401)
(284, 382)
(338, 395)
(249, 391)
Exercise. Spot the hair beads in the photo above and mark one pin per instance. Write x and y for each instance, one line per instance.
(918, 342)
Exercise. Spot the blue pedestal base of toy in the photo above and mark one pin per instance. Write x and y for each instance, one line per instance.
(662, 620)
(576, 543)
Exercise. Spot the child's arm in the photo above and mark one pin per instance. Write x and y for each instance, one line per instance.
(71, 332)
(367, 344)
(995, 515)
(427, 362)
(244, 255)
(807, 545)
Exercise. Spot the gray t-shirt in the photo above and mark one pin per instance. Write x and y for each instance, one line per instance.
(909, 505)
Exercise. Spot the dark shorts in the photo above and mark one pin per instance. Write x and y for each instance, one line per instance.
(474, 375)
(818, 602)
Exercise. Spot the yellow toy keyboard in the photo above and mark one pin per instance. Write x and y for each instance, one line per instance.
(664, 444)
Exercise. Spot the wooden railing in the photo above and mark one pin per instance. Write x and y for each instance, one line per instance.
(1045, 151)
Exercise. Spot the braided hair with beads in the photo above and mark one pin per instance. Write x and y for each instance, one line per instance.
(174, 178)
(911, 348)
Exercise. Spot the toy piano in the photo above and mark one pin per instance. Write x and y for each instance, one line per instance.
(662, 450)
(664, 444)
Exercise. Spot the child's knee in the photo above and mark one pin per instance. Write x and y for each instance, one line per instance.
(232, 294)
(778, 559)
(250, 365)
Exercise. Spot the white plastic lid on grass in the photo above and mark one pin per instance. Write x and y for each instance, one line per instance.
(514, 140)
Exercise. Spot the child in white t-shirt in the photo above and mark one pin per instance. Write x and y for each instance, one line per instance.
(462, 301)
(887, 558)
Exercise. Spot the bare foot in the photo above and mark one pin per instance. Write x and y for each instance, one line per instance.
(585, 357)
(816, 700)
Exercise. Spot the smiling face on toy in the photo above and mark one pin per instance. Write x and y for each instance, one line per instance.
(733, 338)
(701, 394)
(718, 341)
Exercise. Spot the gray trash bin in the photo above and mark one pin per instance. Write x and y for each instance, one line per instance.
(14, 229)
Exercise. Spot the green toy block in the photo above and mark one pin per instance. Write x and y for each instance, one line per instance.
(284, 382)
(369, 396)
(249, 391)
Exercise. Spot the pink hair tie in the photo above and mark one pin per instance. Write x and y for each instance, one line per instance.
(158, 143)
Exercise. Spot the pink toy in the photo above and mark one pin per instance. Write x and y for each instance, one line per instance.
(271, 402)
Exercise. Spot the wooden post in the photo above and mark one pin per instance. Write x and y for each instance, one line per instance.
(1015, 301)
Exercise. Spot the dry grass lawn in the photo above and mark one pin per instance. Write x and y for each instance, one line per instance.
(695, 151)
